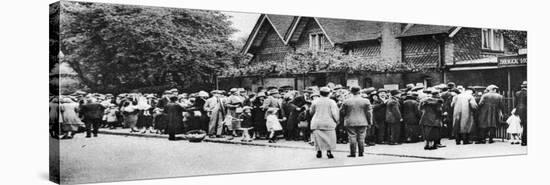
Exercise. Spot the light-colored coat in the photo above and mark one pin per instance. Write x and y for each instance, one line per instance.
(325, 114)
(464, 106)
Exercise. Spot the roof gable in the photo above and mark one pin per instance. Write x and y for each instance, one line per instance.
(280, 23)
(337, 30)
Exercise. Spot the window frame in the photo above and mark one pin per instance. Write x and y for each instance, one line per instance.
(316, 41)
(489, 40)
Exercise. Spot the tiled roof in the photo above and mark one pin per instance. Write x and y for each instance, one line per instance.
(281, 23)
(423, 29)
(341, 30)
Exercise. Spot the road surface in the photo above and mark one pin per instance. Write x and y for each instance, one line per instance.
(112, 158)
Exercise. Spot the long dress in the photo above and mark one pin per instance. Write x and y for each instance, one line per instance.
(258, 116)
(323, 123)
(431, 119)
(71, 121)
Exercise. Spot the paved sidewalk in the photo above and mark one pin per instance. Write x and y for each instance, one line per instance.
(452, 151)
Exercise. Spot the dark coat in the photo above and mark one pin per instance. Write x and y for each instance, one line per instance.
(174, 118)
(92, 111)
(491, 107)
(411, 112)
(379, 112)
(393, 110)
(431, 112)
(292, 121)
(356, 111)
(521, 105)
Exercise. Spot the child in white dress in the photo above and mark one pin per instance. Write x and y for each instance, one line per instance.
(514, 127)
(272, 123)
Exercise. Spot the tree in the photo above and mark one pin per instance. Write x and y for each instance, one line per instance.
(118, 48)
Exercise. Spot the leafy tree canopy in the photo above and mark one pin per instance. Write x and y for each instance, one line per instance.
(118, 48)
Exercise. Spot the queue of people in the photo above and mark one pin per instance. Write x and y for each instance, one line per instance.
(321, 116)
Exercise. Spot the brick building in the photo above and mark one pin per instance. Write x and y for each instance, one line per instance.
(467, 56)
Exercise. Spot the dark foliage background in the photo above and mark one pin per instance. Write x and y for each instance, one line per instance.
(123, 48)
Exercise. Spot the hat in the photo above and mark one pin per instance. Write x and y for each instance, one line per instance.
(247, 108)
(369, 90)
(167, 92)
(241, 89)
(409, 86)
(382, 90)
(524, 84)
(338, 86)
(173, 90)
(261, 94)
(273, 91)
(324, 89)
(491, 87)
(461, 88)
(395, 92)
(203, 94)
(418, 87)
(233, 90)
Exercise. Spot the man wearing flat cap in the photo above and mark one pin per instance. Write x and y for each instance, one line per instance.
(215, 109)
(357, 114)
(521, 110)
(491, 108)
(393, 116)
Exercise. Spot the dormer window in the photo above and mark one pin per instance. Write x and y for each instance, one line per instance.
(492, 40)
(316, 41)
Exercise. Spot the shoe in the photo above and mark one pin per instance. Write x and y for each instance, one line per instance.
(319, 154)
(329, 155)
(523, 144)
(426, 147)
(480, 142)
(351, 155)
(440, 146)
(88, 136)
(467, 142)
(95, 135)
(360, 155)
(432, 148)
(220, 136)
(491, 141)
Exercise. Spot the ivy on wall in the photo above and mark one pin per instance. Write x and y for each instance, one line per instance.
(319, 61)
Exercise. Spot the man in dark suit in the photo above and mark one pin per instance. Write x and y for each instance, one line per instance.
(174, 118)
(92, 113)
(357, 114)
(491, 108)
(393, 116)
(521, 110)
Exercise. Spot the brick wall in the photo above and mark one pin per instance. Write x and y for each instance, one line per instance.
(272, 47)
(390, 48)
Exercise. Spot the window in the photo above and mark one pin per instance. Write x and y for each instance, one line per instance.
(492, 39)
(316, 41)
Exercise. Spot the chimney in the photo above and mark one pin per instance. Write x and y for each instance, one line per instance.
(390, 46)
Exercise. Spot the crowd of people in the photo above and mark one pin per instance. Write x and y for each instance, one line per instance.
(321, 116)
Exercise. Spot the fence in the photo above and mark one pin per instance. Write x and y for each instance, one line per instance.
(509, 102)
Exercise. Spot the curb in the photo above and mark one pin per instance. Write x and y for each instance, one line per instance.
(262, 144)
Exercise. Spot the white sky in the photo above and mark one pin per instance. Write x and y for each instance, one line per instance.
(243, 22)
